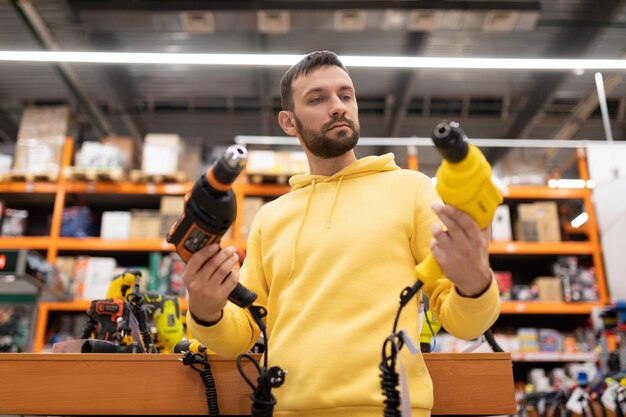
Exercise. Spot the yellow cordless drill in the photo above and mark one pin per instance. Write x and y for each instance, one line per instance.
(464, 182)
(165, 312)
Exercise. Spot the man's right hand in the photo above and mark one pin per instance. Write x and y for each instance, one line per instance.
(210, 278)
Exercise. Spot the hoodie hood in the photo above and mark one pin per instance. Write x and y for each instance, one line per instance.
(362, 167)
(359, 168)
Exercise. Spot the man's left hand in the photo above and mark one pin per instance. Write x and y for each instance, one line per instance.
(462, 250)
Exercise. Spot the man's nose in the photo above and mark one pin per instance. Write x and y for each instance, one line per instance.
(337, 106)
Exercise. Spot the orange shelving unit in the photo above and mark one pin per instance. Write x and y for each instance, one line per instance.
(53, 243)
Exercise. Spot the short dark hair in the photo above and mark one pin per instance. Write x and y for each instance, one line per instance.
(311, 62)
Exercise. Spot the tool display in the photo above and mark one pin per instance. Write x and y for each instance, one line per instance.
(210, 209)
(464, 182)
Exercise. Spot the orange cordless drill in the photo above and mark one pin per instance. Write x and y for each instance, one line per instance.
(210, 209)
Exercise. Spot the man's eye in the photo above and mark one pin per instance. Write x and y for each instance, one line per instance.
(346, 97)
(315, 100)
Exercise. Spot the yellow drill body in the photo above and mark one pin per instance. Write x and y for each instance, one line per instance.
(467, 186)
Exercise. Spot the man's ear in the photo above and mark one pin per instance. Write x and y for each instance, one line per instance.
(287, 122)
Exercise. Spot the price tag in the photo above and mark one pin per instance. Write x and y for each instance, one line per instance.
(91, 187)
(151, 188)
(29, 187)
(510, 248)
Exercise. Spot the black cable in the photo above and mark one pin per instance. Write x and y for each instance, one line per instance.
(388, 376)
(192, 359)
(432, 332)
(263, 401)
(489, 337)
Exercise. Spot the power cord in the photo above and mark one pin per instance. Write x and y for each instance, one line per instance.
(391, 347)
(193, 359)
(263, 401)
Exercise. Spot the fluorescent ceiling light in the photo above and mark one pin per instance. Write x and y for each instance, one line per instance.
(288, 60)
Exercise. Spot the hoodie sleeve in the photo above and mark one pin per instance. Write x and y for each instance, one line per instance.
(463, 317)
(236, 332)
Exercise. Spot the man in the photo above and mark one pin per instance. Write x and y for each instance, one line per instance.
(329, 259)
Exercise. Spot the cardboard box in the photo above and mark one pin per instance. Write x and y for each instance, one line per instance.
(190, 162)
(115, 225)
(161, 153)
(171, 209)
(501, 224)
(538, 222)
(128, 148)
(145, 224)
(549, 288)
(40, 139)
(251, 205)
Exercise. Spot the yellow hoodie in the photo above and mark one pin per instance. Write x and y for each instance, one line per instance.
(328, 261)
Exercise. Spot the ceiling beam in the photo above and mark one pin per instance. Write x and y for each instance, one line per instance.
(118, 78)
(247, 5)
(38, 28)
(406, 79)
(571, 42)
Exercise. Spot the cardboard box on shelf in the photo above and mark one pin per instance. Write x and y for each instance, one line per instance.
(115, 225)
(40, 139)
(276, 162)
(127, 146)
(538, 222)
(161, 153)
(549, 288)
(170, 211)
(251, 205)
(190, 162)
(145, 224)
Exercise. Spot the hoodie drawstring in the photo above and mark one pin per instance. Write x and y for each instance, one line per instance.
(306, 211)
(334, 202)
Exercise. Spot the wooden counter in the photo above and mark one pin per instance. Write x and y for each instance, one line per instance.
(126, 384)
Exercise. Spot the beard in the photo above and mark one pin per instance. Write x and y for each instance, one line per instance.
(325, 147)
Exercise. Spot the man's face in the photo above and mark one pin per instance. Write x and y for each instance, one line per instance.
(326, 111)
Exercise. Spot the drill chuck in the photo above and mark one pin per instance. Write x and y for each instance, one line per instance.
(451, 141)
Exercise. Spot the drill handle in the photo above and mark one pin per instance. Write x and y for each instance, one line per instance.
(428, 271)
(241, 296)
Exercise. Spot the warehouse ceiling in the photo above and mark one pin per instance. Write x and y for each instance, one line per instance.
(211, 105)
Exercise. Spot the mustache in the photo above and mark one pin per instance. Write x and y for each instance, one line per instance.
(336, 120)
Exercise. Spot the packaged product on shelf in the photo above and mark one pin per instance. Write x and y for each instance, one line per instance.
(14, 222)
(528, 339)
(6, 161)
(538, 222)
(127, 147)
(549, 288)
(161, 153)
(504, 279)
(40, 139)
(251, 205)
(170, 210)
(174, 268)
(501, 224)
(78, 221)
(190, 161)
(521, 292)
(145, 224)
(579, 283)
(98, 274)
(16, 324)
(115, 225)
(99, 155)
